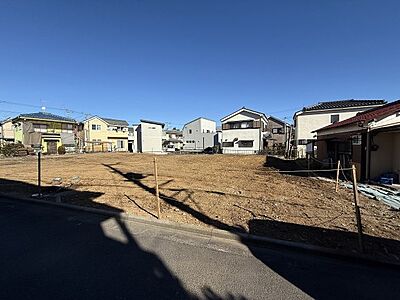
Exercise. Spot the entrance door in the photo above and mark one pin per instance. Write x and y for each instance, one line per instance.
(52, 147)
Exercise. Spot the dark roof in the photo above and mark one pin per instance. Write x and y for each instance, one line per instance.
(152, 122)
(277, 120)
(368, 115)
(45, 116)
(5, 120)
(173, 131)
(343, 104)
(115, 122)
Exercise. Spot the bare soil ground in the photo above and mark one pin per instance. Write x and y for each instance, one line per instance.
(223, 191)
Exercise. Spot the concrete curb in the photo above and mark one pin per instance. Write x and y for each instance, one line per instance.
(218, 233)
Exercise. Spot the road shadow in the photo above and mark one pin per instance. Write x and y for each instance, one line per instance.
(307, 275)
(64, 254)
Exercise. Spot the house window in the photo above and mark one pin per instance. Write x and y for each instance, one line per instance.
(40, 127)
(190, 131)
(227, 144)
(356, 139)
(120, 144)
(245, 144)
(334, 118)
(246, 124)
(66, 128)
(277, 130)
(208, 131)
(96, 127)
(302, 142)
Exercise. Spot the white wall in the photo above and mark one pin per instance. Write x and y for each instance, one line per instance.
(151, 137)
(306, 122)
(309, 121)
(241, 135)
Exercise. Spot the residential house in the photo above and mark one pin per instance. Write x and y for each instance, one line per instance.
(105, 134)
(322, 114)
(172, 140)
(199, 134)
(244, 132)
(45, 129)
(280, 133)
(370, 140)
(149, 136)
(6, 131)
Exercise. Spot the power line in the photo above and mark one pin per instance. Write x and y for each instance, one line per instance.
(66, 110)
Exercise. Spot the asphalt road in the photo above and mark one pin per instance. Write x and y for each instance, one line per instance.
(55, 253)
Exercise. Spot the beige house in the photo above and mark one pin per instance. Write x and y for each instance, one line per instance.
(6, 131)
(105, 134)
(311, 118)
(370, 140)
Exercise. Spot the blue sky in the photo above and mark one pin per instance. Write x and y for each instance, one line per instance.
(173, 61)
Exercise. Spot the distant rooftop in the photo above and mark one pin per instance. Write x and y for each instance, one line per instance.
(46, 116)
(344, 104)
(152, 122)
(116, 122)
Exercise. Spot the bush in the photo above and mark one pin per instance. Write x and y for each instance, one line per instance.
(61, 150)
(11, 149)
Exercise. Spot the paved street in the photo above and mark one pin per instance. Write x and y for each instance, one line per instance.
(54, 253)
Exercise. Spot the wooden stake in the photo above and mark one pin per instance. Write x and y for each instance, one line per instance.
(337, 176)
(157, 193)
(357, 210)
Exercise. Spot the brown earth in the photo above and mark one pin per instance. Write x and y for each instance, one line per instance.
(223, 191)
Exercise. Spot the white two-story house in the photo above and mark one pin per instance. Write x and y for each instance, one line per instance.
(314, 117)
(199, 134)
(243, 132)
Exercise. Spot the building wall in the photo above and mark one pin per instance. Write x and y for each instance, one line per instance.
(307, 122)
(241, 135)
(383, 159)
(7, 131)
(396, 153)
(199, 135)
(151, 137)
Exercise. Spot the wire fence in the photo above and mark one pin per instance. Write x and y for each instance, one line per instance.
(295, 203)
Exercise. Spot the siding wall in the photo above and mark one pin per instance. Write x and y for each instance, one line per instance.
(151, 137)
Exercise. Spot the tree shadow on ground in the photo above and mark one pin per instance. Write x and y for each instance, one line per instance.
(51, 255)
(305, 270)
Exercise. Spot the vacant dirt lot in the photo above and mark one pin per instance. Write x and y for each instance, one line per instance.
(223, 191)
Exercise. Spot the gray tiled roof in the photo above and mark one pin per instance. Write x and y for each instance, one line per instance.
(116, 122)
(46, 116)
(344, 104)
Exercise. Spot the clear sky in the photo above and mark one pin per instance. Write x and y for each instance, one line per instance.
(173, 61)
